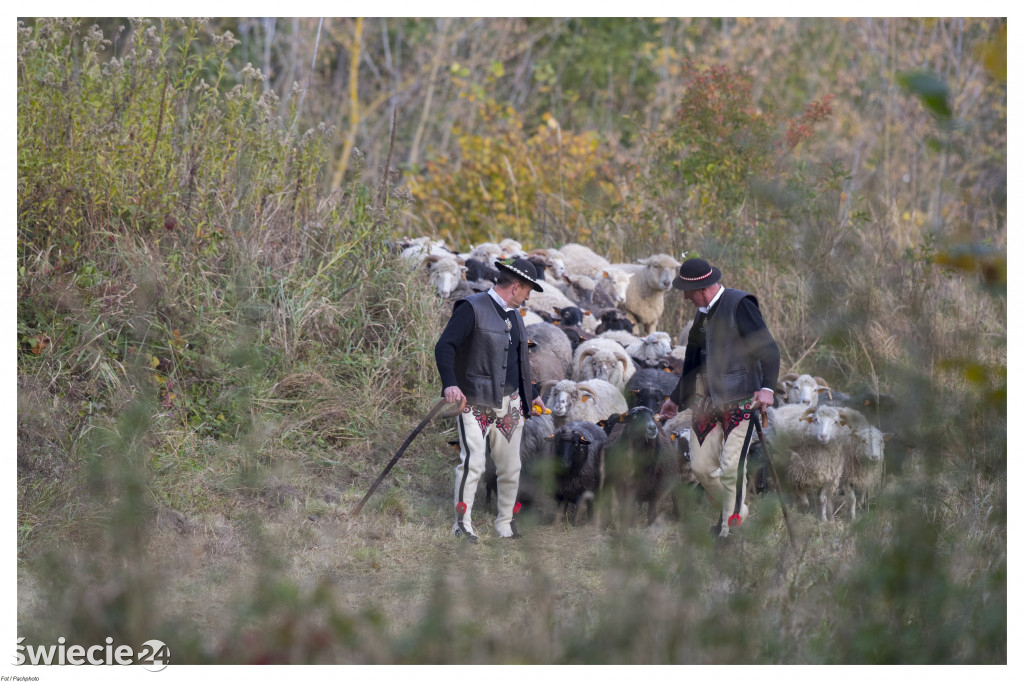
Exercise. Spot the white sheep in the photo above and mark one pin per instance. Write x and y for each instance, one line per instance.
(863, 446)
(650, 348)
(645, 295)
(602, 359)
(591, 400)
(555, 270)
(488, 252)
(802, 389)
(811, 456)
(510, 248)
(415, 251)
(611, 286)
(621, 337)
(581, 260)
(445, 273)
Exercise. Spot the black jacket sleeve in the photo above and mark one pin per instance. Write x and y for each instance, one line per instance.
(459, 327)
(759, 341)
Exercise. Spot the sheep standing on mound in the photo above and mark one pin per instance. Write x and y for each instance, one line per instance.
(645, 295)
(577, 452)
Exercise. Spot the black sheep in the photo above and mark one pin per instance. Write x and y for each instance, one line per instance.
(477, 270)
(612, 319)
(577, 453)
(640, 463)
(650, 388)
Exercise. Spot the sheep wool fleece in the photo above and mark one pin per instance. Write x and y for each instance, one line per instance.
(498, 432)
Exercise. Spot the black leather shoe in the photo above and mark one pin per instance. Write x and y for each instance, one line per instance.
(468, 537)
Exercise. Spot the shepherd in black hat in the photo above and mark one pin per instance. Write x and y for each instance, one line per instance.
(484, 363)
(729, 371)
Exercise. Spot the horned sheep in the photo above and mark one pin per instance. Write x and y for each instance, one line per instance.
(602, 359)
(590, 400)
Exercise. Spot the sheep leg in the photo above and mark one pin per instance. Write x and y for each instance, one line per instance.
(852, 494)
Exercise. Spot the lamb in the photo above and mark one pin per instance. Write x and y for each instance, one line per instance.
(640, 464)
(863, 445)
(812, 461)
(602, 359)
(552, 340)
(651, 349)
(581, 260)
(650, 388)
(645, 295)
(577, 452)
(610, 287)
(445, 273)
(590, 400)
(802, 389)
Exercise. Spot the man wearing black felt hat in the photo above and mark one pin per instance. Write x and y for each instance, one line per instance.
(484, 363)
(730, 367)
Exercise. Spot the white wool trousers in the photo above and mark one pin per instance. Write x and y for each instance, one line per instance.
(715, 463)
(499, 432)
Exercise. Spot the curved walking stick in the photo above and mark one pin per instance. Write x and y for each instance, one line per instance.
(775, 474)
(415, 432)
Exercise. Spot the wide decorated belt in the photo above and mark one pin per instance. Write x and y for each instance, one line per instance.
(730, 415)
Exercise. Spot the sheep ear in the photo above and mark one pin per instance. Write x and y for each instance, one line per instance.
(668, 369)
(636, 391)
(603, 423)
(604, 273)
(551, 437)
(454, 444)
(584, 441)
(522, 312)
(887, 436)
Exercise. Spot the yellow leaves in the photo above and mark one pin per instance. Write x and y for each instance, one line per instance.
(154, 361)
(39, 343)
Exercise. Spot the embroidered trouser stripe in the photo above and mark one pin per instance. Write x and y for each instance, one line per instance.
(498, 433)
(460, 481)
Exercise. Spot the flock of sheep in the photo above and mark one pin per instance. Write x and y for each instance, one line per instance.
(604, 371)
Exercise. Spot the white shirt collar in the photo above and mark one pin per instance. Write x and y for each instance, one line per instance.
(713, 301)
(500, 301)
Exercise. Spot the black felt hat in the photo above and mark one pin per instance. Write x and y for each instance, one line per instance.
(696, 273)
(521, 268)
